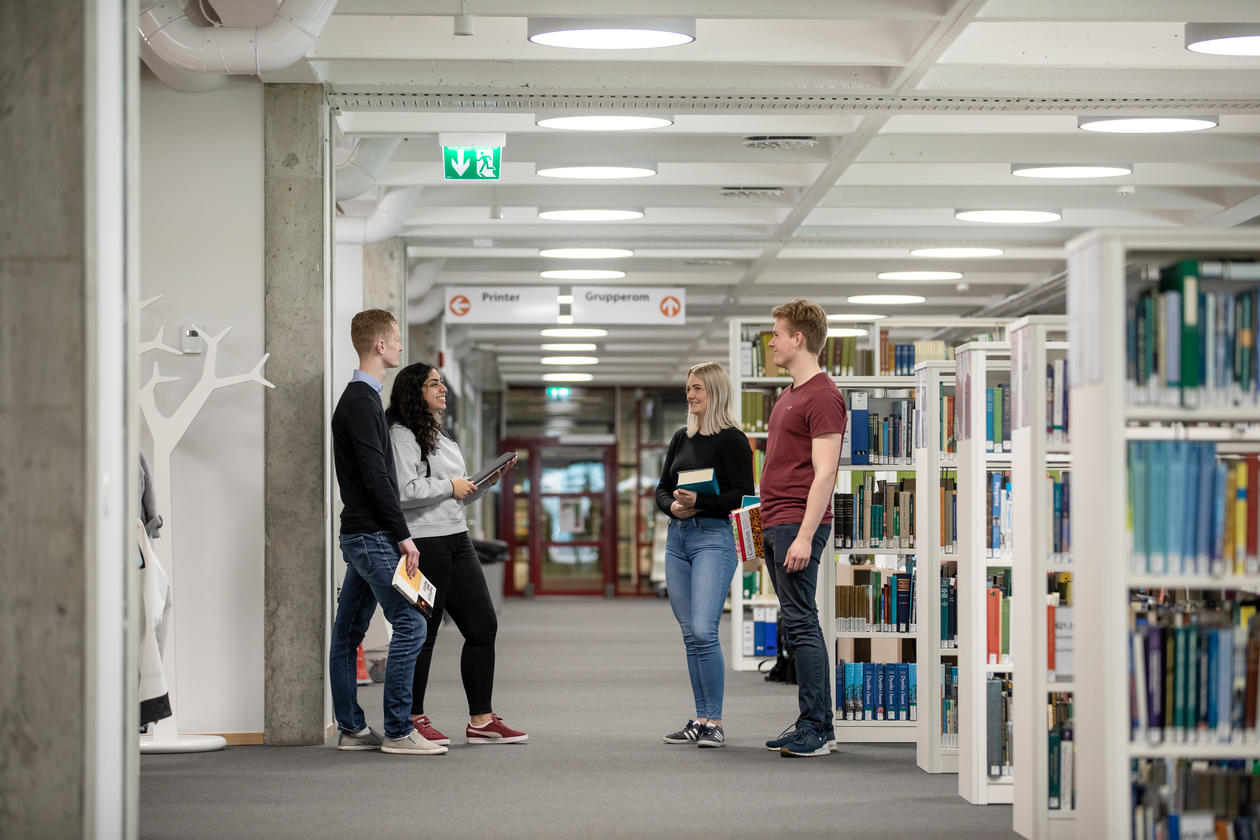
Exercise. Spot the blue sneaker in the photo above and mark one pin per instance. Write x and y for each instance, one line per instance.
(785, 738)
(806, 743)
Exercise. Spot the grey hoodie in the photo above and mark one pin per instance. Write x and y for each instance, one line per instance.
(426, 495)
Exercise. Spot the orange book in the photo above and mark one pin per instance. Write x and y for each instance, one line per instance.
(993, 604)
(1050, 636)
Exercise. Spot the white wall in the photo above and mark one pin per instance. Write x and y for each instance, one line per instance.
(201, 244)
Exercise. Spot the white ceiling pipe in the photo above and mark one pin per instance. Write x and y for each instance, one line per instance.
(427, 308)
(177, 78)
(388, 219)
(363, 164)
(422, 276)
(245, 50)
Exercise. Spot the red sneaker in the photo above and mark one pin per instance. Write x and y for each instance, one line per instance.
(426, 730)
(494, 732)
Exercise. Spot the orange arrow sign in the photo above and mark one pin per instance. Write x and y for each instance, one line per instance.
(459, 305)
(670, 306)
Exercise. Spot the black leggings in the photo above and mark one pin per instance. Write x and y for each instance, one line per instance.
(452, 564)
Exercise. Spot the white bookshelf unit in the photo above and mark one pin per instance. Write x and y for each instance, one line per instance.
(1104, 420)
(1036, 341)
(932, 381)
(979, 365)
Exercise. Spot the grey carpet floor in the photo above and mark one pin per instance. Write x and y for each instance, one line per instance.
(595, 683)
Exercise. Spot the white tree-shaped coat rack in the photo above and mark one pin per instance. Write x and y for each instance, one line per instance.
(167, 431)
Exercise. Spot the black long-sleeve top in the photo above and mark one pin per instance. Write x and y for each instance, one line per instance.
(364, 460)
(730, 456)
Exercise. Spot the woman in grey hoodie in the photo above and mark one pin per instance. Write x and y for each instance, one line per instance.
(433, 484)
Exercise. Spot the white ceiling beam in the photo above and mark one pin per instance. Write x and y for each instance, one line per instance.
(1235, 214)
(1206, 11)
(1164, 87)
(701, 9)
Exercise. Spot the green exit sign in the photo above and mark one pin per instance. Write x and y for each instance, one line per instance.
(471, 163)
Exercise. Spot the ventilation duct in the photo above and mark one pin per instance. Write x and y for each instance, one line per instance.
(426, 308)
(779, 143)
(751, 192)
(362, 163)
(388, 219)
(422, 277)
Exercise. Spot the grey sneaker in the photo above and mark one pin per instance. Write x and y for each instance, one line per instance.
(411, 744)
(711, 736)
(687, 735)
(370, 740)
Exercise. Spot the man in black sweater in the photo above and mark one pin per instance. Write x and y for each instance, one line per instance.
(373, 536)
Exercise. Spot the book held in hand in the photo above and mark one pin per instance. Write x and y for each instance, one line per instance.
(701, 482)
(417, 588)
(746, 523)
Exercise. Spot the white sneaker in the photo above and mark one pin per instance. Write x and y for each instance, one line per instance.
(411, 744)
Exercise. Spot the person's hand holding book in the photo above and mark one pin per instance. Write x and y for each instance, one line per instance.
(684, 504)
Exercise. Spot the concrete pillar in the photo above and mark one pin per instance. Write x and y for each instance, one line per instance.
(68, 764)
(297, 235)
(385, 287)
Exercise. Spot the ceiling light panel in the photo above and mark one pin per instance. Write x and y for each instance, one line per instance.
(573, 332)
(886, 300)
(567, 377)
(592, 215)
(956, 253)
(568, 348)
(846, 332)
(629, 33)
(585, 253)
(1056, 170)
(1146, 125)
(604, 122)
(598, 173)
(581, 274)
(569, 360)
(1008, 217)
(854, 317)
(1223, 38)
(920, 275)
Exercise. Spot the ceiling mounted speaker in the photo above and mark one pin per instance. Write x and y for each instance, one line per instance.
(768, 142)
(751, 192)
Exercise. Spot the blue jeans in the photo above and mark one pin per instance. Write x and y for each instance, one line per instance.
(699, 564)
(798, 614)
(370, 563)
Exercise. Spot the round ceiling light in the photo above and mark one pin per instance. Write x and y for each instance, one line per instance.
(1223, 38)
(1146, 125)
(920, 275)
(569, 360)
(573, 332)
(604, 122)
(581, 274)
(956, 253)
(845, 332)
(1055, 170)
(1008, 217)
(886, 300)
(645, 33)
(569, 348)
(609, 215)
(854, 317)
(585, 253)
(598, 173)
(567, 377)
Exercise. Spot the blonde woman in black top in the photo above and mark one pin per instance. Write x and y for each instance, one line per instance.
(700, 555)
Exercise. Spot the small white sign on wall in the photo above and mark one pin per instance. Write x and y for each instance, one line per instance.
(629, 305)
(502, 304)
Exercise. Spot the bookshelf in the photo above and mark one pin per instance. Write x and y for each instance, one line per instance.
(933, 381)
(981, 368)
(1042, 810)
(1106, 269)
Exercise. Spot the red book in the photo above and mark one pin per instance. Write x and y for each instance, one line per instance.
(1050, 636)
(1253, 504)
(993, 604)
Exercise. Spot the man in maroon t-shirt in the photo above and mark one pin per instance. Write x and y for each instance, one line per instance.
(797, 486)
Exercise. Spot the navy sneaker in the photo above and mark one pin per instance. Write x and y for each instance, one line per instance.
(711, 736)
(805, 743)
(785, 738)
(687, 735)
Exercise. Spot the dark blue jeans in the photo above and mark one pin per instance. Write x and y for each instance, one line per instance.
(370, 563)
(798, 613)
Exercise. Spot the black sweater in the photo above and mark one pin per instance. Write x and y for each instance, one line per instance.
(730, 456)
(364, 460)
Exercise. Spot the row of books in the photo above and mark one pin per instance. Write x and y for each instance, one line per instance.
(997, 419)
(1191, 511)
(900, 359)
(948, 431)
(1190, 347)
(948, 692)
(840, 356)
(1194, 676)
(949, 513)
(1058, 514)
(756, 585)
(1057, 408)
(1061, 756)
(999, 524)
(949, 604)
(1000, 719)
(761, 635)
(879, 434)
(754, 409)
(1182, 798)
(883, 604)
(877, 513)
(876, 691)
(1060, 627)
(997, 604)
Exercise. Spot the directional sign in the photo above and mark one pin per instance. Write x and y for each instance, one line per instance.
(470, 163)
(501, 304)
(629, 305)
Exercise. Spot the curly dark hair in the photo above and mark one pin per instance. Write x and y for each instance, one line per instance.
(407, 407)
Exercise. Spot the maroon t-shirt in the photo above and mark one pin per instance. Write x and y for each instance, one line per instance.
(801, 414)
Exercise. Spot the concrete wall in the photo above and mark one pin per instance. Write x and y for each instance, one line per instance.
(202, 249)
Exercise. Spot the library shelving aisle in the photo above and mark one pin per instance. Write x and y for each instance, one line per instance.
(1148, 440)
(985, 561)
(935, 460)
(1040, 480)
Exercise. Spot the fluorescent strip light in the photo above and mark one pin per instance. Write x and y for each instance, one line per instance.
(598, 173)
(564, 319)
(569, 360)
(567, 377)
(643, 33)
(1146, 125)
(956, 253)
(585, 253)
(1008, 217)
(1056, 170)
(854, 317)
(573, 332)
(604, 122)
(920, 275)
(564, 298)
(1223, 38)
(590, 215)
(581, 274)
(846, 332)
(569, 348)
(886, 300)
